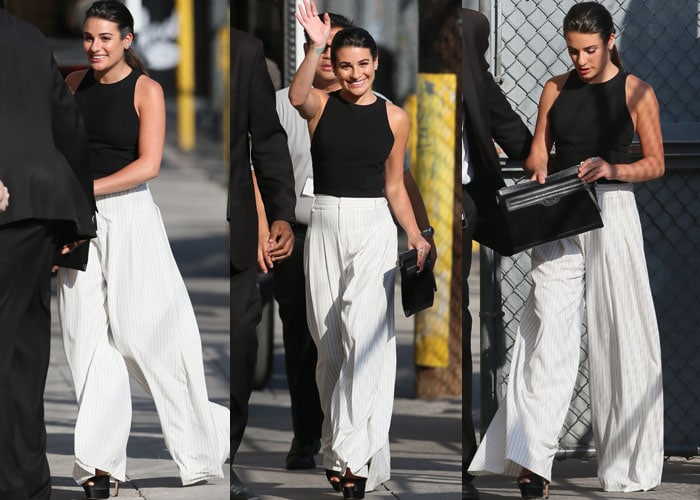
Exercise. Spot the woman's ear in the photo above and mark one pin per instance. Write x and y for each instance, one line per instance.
(611, 41)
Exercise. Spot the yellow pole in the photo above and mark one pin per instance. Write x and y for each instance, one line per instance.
(185, 76)
(225, 64)
(435, 178)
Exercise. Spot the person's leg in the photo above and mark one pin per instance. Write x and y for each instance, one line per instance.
(246, 310)
(100, 377)
(468, 431)
(524, 432)
(323, 312)
(26, 253)
(154, 327)
(624, 355)
(362, 402)
(299, 356)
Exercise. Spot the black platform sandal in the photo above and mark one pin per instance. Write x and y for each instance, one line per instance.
(353, 486)
(532, 486)
(97, 487)
(331, 475)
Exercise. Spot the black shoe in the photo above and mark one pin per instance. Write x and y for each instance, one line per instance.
(301, 456)
(532, 486)
(469, 491)
(334, 474)
(97, 487)
(353, 486)
(238, 489)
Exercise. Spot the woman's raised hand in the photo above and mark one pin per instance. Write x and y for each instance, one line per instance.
(318, 30)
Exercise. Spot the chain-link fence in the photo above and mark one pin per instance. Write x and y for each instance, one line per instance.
(659, 43)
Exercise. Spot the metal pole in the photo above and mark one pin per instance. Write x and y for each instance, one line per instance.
(185, 76)
(438, 344)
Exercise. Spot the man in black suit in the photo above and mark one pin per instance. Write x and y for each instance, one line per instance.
(488, 116)
(257, 139)
(43, 164)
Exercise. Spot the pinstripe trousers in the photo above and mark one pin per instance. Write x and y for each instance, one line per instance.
(129, 312)
(606, 267)
(350, 266)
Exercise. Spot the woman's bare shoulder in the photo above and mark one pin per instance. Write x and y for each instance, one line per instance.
(73, 79)
(147, 85)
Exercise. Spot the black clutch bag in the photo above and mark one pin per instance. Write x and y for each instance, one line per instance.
(539, 213)
(417, 287)
(77, 259)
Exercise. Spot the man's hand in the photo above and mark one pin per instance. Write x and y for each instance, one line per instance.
(281, 241)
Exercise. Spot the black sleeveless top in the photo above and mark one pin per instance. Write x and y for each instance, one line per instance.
(349, 148)
(111, 121)
(591, 119)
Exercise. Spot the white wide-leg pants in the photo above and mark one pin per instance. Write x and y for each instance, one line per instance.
(350, 263)
(608, 268)
(129, 312)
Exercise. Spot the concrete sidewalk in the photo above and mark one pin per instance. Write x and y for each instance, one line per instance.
(194, 209)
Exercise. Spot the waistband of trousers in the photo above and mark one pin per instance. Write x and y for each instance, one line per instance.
(326, 201)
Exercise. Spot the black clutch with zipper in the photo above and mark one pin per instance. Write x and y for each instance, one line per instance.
(539, 213)
(417, 287)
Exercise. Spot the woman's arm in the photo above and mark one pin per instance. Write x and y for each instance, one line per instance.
(302, 95)
(536, 162)
(264, 260)
(394, 188)
(418, 206)
(644, 110)
(150, 107)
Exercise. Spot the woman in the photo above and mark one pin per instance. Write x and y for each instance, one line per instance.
(590, 115)
(358, 142)
(129, 311)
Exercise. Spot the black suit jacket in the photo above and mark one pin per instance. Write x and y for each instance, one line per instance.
(488, 116)
(254, 112)
(43, 142)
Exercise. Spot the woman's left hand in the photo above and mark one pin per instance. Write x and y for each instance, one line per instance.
(422, 249)
(68, 248)
(594, 168)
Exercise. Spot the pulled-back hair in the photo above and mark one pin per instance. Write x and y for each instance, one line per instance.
(353, 37)
(337, 21)
(116, 12)
(592, 17)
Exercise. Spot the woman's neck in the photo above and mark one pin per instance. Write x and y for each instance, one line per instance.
(362, 100)
(114, 74)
